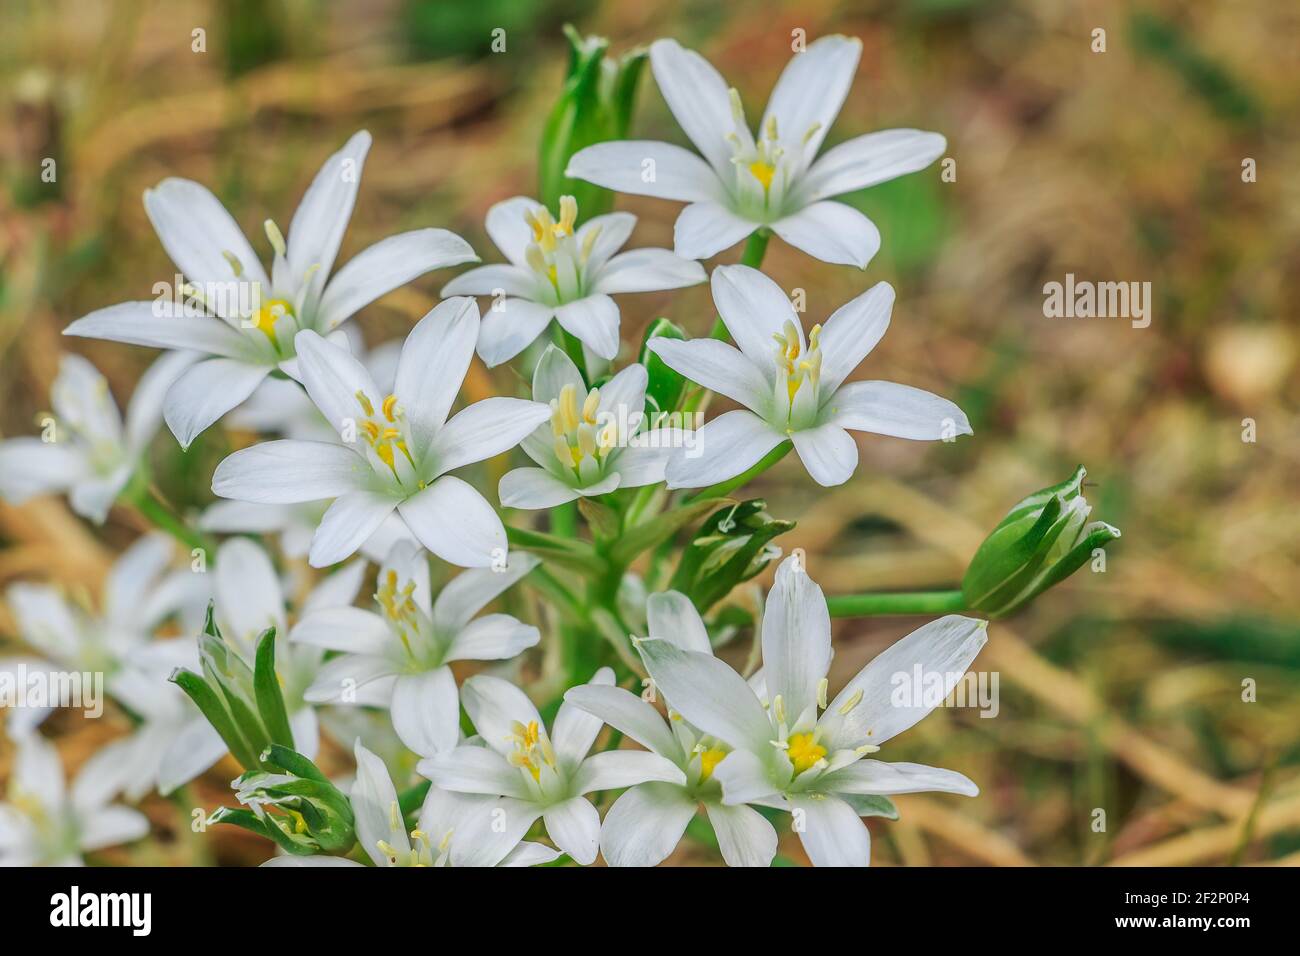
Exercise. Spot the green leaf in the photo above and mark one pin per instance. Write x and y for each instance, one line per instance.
(210, 706)
(566, 552)
(659, 529)
(726, 551)
(665, 386)
(270, 701)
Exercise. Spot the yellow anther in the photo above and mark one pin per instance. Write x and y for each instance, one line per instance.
(847, 707)
(822, 686)
(364, 401)
(569, 407)
(568, 216)
(737, 107)
(394, 816)
(236, 266)
(390, 408)
(804, 752)
(590, 405)
(812, 131)
(778, 708)
(275, 237)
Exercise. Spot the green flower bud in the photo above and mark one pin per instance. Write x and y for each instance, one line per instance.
(292, 803)
(731, 547)
(594, 106)
(1041, 541)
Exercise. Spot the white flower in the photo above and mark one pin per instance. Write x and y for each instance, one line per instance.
(591, 445)
(404, 652)
(397, 449)
(89, 452)
(454, 829)
(645, 824)
(41, 824)
(793, 750)
(253, 318)
(535, 777)
(743, 183)
(141, 591)
(792, 388)
(558, 272)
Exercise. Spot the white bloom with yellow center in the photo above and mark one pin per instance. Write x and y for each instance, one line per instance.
(774, 180)
(791, 749)
(545, 776)
(557, 270)
(793, 388)
(396, 449)
(42, 824)
(646, 823)
(86, 449)
(249, 320)
(403, 652)
(594, 442)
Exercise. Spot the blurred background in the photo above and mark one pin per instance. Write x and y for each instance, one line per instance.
(1120, 690)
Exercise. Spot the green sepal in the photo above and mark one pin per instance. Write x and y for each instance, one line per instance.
(729, 549)
(210, 706)
(870, 805)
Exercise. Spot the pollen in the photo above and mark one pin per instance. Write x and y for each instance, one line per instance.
(804, 752)
(708, 760)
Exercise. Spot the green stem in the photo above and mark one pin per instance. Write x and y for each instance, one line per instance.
(755, 247)
(564, 520)
(149, 504)
(572, 348)
(913, 602)
(724, 488)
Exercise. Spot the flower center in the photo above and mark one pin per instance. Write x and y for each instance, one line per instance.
(421, 851)
(581, 443)
(267, 318)
(766, 166)
(387, 438)
(532, 749)
(554, 254)
(708, 760)
(804, 752)
(398, 603)
(798, 375)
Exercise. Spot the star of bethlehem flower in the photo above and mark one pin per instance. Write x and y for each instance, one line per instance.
(773, 180)
(89, 452)
(564, 272)
(403, 653)
(536, 774)
(396, 449)
(793, 750)
(453, 829)
(249, 321)
(646, 823)
(42, 824)
(793, 387)
(594, 442)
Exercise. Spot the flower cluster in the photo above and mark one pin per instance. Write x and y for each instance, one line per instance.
(500, 679)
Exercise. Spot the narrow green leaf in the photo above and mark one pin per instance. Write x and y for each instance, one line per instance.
(270, 700)
(210, 706)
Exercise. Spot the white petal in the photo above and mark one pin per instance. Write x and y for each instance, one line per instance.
(45, 620)
(37, 772)
(426, 711)
(495, 706)
(574, 825)
(867, 160)
(629, 715)
(612, 231)
(454, 521)
(850, 334)
(434, 361)
(278, 862)
(471, 591)
(533, 489)
(508, 228)
(646, 458)
(152, 325)
(708, 693)
(109, 826)
(484, 429)
(697, 95)
(832, 833)
(831, 232)
(343, 680)
(30, 467)
(474, 770)
(509, 327)
(333, 376)
(828, 452)
(593, 321)
(198, 233)
(706, 228)
(877, 776)
(946, 646)
(645, 825)
(305, 730)
(887, 408)
(745, 836)
(388, 264)
(645, 168)
(671, 616)
(754, 309)
(575, 730)
(348, 522)
(348, 629)
(135, 574)
(484, 828)
(247, 592)
(206, 392)
(717, 366)
(647, 270)
(336, 590)
(144, 413)
(615, 769)
(622, 398)
(724, 448)
(491, 280)
(554, 371)
(811, 90)
(373, 801)
(289, 471)
(744, 778)
(796, 638)
(530, 854)
(323, 214)
(495, 637)
(192, 752)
